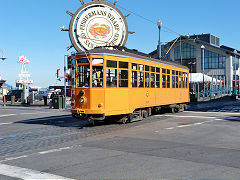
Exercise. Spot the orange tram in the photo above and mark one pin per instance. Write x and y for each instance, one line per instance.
(118, 83)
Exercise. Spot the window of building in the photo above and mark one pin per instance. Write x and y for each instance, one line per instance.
(213, 60)
(188, 51)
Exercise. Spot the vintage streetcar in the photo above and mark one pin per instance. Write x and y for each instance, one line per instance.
(125, 85)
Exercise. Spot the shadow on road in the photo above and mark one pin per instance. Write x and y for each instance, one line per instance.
(62, 121)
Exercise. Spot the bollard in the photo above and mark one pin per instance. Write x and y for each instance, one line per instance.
(45, 100)
(12, 99)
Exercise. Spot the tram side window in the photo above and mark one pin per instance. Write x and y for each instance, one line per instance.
(186, 80)
(146, 80)
(123, 78)
(176, 81)
(173, 82)
(163, 81)
(134, 66)
(140, 67)
(157, 80)
(183, 82)
(140, 79)
(112, 64)
(97, 76)
(152, 80)
(83, 76)
(111, 78)
(180, 83)
(123, 64)
(134, 78)
(168, 81)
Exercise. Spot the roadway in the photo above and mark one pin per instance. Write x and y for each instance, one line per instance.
(201, 143)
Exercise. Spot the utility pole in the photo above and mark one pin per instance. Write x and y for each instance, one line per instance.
(159, 23)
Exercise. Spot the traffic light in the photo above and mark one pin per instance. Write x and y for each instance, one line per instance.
(58, 73)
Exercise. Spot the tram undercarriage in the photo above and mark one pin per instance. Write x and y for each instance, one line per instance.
(137, 115)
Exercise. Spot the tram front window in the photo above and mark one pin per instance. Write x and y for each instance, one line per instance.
(83, 76)
(97, 76)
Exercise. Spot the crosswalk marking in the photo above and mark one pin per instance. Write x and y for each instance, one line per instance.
(27, 174)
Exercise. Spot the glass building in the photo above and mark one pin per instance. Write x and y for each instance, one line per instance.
(204, 54)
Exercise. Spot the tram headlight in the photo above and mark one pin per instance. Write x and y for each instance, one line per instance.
(82, 100)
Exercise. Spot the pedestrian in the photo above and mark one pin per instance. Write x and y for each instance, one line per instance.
(51, 100)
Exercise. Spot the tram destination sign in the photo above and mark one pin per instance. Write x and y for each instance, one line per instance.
(97, 23)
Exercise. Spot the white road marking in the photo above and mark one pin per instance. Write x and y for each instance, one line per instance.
(6, 115)
(222, 113)
(193, 124)
(5, 123)
(27, 174)
(14, 158)
(34, 113)
(55, 150)
(203, 117)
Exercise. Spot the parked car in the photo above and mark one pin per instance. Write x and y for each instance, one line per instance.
(41, 94)
(17, 93)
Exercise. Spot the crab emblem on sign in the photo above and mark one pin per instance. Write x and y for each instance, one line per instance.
(97, 23)
(99, 31)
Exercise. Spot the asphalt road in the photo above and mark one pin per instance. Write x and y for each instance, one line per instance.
(201, 143)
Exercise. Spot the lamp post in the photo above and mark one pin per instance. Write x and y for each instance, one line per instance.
(202, 48)
(4, 89)
(159, 24)
(3, 57)
(235, 73)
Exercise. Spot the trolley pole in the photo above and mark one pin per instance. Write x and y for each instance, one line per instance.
(65, 87)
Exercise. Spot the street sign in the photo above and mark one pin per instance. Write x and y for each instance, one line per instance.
(24, 81)
(97, 23)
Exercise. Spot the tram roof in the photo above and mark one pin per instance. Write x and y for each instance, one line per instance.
(124, 52)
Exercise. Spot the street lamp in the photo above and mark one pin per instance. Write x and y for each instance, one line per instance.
(3, 57)
(3, 89)
(235, 73)
(159, 24)
(202, 48)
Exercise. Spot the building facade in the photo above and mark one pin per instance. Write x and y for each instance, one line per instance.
(204, 54)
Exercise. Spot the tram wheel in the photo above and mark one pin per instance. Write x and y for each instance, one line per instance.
(181, 108)
(130, 117)
(144, 113)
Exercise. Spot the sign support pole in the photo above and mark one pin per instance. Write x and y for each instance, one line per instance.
(65, 87)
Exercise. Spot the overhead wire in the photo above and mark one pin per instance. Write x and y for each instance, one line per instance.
(165, 29)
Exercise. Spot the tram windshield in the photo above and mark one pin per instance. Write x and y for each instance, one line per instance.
(83, 75)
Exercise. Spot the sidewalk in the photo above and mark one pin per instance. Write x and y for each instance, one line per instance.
(38, 105)
(214, 103)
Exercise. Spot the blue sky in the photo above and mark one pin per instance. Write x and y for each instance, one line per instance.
(31, 27)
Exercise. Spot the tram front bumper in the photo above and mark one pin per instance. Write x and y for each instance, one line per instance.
(94, 115)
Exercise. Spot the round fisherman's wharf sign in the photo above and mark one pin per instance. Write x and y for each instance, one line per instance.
(98, 24)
